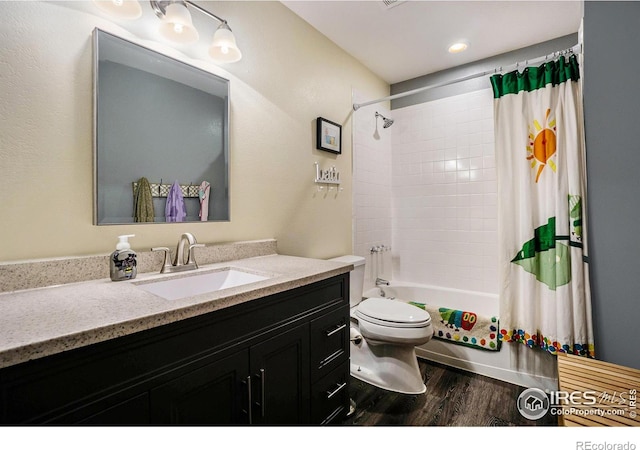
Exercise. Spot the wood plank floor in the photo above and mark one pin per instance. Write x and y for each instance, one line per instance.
(454, 398)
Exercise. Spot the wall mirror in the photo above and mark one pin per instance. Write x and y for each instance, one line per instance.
(157, 120)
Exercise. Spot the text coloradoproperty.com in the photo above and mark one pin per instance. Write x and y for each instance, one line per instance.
(586, 412)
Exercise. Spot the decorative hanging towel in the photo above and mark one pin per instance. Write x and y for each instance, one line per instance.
(545, 298)
(463, 327)
(203, 194)
(143, 202)
(175, 210)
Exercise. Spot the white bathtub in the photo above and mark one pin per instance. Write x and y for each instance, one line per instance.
(514, 363)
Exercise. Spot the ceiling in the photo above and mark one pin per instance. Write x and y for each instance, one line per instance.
(411, 38)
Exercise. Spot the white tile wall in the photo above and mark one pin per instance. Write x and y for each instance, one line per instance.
(427, 187)
(444, 201)
(372, 190)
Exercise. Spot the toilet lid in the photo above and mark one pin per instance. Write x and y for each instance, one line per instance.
(392, 313)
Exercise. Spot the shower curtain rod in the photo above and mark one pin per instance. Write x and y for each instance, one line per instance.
(577, 49)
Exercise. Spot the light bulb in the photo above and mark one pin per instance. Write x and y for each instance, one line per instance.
(223, 48)
(122, 9)
(177, 25)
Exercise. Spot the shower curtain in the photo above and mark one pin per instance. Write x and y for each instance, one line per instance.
(545, 298)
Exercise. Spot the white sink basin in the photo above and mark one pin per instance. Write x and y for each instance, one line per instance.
(188, 286)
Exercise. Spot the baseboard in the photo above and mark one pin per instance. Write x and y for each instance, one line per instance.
(498, 373)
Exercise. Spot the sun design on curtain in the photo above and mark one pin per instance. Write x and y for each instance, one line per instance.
(542, 144)
(545, 298)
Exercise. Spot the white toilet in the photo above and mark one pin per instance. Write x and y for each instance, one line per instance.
(384, 334)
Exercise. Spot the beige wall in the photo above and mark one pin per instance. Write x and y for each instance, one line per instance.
(289, 75)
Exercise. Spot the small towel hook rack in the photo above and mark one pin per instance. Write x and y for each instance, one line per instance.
(162, 190)
(329, 177)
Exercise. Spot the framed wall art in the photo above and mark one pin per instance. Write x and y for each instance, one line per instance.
(328, 136)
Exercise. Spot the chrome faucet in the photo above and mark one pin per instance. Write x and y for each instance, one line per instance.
(381, 281)
(179, 264)
(186, 238)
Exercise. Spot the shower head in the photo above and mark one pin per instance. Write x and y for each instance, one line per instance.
(387, 122)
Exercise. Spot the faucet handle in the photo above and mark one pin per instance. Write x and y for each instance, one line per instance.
(192, 258)
(167, 257)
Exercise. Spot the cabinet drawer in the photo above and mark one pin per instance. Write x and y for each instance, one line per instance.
(329, 342)
(330, 396)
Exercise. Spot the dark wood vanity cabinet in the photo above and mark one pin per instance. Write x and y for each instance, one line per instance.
(282, 359)
(266, 383)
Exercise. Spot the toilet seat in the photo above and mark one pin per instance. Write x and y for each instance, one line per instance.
(393, 314)
(382, 321)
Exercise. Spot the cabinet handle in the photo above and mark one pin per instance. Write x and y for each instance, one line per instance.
(335, 330)
(262, 382)
(338, 389)
(330, 358)
(248, 383)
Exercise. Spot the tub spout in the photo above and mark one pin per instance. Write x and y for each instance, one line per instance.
(381, 281)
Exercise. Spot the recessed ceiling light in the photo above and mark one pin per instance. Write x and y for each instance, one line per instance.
(458, 47)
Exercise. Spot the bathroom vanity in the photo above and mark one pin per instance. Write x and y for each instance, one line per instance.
(281, 358)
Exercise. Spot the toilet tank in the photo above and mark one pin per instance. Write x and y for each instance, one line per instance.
(356, 283)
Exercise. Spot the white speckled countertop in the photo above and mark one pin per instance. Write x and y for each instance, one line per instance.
(43, 321)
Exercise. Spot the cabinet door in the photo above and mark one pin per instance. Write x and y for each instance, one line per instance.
(216, 393)
(280, 373)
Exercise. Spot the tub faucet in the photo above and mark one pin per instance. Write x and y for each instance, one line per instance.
(179, 264)
(381, 281)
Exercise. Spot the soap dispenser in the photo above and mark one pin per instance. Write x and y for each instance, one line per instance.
(123, 260)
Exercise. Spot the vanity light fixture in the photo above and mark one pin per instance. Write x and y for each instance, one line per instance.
(177, 27)
(223, 48)
(122, 9)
